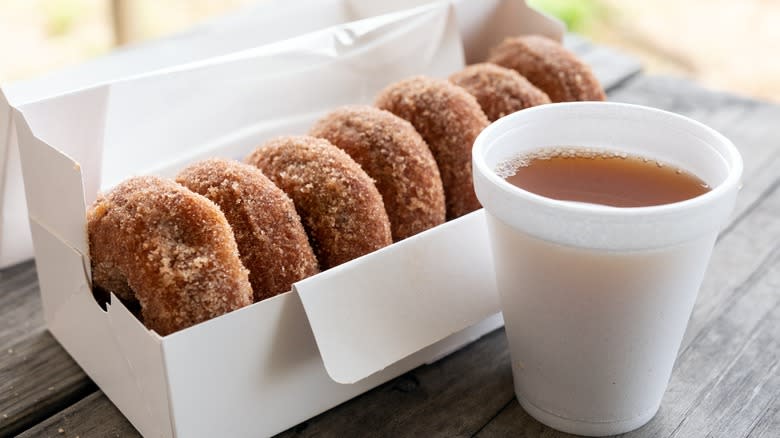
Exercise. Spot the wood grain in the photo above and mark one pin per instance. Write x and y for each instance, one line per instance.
(20, 304)
(453, 397)
(610, 66)
(22, 316)
(725, 382)
(738, 284)
(93, 416)
(750, 124)
(37, 379)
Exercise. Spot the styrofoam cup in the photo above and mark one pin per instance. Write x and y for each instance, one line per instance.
(595, 298)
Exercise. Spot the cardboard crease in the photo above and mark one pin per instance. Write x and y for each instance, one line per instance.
(284, 356)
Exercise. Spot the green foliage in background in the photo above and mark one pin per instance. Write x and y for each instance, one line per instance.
(61, 15)
(579, 15)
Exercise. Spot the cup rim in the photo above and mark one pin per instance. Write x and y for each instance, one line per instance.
(732, 157)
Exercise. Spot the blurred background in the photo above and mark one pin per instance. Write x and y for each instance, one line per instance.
(725, 44)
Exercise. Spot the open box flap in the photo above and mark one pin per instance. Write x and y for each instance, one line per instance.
(59, 137)
(124, 358)
(482, 23)
(160, 122)
(128, 364)
(155, 123)
(507, 17)
(15, 241)
(7, 136)
(229, 105)
(62, 139)
(377, 310)
(275, 20)
(113, 348)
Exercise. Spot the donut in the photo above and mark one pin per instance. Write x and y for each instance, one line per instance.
(171, 250)
(391, 152)
(499, 91)
(549, 66)
(271, 240)
(340, 207)
(449, 120)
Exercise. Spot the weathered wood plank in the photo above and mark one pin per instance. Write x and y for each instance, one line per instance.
(769, 424)
(748, 247)
(20, 306)
(93, 416)
(453, 397)
(432, 400)
(749, 385)
(611, 66)
(460, 393)
(22, 311)
(706, 382)
(577, 43)
(513, 421)
(725, 384)
(440, 400)
(37, 379)
(749, 124)
(741, 251)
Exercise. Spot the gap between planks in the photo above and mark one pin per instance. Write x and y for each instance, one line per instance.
(23, 316)
(500, 410)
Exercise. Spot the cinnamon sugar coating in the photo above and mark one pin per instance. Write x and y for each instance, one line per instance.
(391, 152)
(172, 250)
(340, 207)
(449, 120)
(271, 240)
(549, 66)
(499, 91)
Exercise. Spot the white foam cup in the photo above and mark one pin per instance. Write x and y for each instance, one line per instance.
(595, 298)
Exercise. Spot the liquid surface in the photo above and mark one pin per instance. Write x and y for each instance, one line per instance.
(598, 177)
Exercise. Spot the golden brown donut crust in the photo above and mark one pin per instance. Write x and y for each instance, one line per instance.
(271, 240)
(499, 91)
(549, 66)
(391, 152)
(170, 249)
(449, 120)
(340, 207)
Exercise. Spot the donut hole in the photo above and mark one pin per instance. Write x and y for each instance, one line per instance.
(103, 299)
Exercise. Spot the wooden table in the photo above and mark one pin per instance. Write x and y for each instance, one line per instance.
(726, 380)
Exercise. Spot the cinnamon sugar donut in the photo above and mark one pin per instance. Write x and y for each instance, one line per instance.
(271, 240)
(549, 66)
(391, 152)
(339, 204)
(449, 120)
(171, 250)
(499, 91)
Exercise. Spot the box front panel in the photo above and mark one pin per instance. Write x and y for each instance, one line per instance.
(257, 371)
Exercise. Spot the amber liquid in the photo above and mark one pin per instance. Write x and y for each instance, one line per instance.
(599, 177)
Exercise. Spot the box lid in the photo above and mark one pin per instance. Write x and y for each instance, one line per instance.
(415, 299)
(378, 309)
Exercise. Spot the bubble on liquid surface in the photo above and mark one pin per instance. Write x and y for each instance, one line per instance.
(508, 167)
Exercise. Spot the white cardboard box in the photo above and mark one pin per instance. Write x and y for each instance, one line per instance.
(264, 368)
(266, 22)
